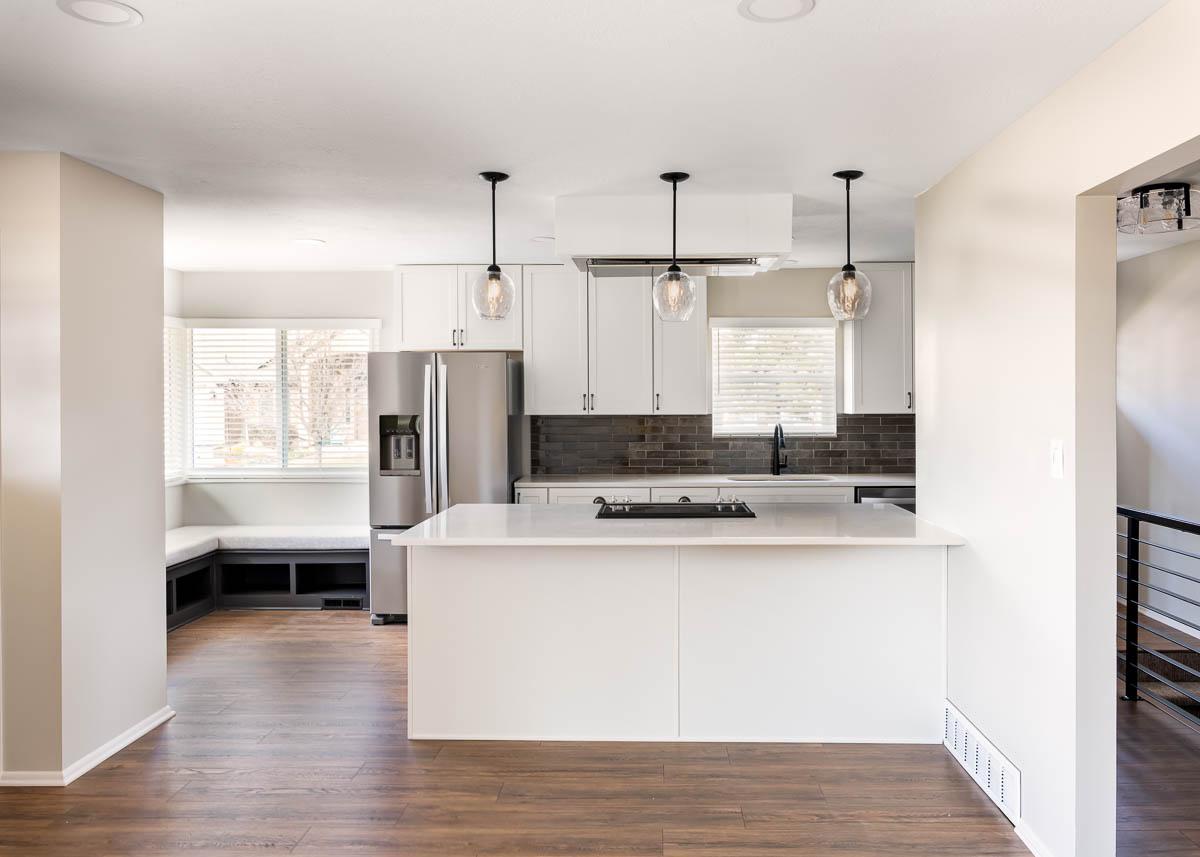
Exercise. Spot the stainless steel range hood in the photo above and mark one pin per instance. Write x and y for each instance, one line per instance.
(724, 235)
(731, 266)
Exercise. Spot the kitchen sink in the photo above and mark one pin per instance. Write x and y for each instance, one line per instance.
(783, 477)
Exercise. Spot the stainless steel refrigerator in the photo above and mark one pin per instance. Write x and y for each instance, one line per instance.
(445, 428)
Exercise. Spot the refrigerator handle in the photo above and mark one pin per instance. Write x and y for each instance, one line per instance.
(443, 467)
(427, 440)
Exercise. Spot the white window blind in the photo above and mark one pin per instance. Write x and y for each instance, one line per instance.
(174, 401)
(268, 399)
(235, 398)
(768, 371)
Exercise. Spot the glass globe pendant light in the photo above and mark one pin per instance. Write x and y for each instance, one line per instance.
(1156, 208)
(674, 291)
(850, 289)
(493, 291)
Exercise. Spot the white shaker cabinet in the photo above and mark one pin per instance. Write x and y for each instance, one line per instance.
(681, 360)
(481, 334)
(434, 311)
(878, 349)
(592, 495)
(620, 345)
(556, 340)
(426, 299)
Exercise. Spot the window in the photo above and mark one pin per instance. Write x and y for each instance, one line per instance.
(768, 371)
(174, 400)
(270, 400)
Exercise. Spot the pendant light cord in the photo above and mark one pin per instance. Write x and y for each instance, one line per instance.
(674, 225)
(847, 221)
(494, 221)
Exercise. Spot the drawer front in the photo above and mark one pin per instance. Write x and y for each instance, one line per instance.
(532, 495)
(792, 495)
(694, 495)
(589, 495)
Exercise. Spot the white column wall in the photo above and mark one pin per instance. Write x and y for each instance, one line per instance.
(1014, 335)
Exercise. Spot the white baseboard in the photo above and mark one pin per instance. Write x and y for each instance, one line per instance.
(1032, 841)
(77, 769)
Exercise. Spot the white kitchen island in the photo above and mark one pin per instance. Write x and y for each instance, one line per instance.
(807, 623)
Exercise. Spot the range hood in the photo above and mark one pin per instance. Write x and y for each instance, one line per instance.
(725, 235)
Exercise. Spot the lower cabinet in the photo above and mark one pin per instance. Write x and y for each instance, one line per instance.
(599, 495)
(802, 494)
(693, 494)
(684, 495)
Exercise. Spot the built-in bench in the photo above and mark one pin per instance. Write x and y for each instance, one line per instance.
(299, 567)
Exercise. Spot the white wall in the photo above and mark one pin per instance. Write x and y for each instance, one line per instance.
(281, 295)
(173, 306)
(81, 305)
(1015, 312)
(30, 471)
(1158, 401)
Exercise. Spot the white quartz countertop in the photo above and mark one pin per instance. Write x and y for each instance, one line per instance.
(722, 480)
(571, 525)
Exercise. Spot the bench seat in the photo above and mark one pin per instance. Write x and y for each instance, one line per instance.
(185, 543)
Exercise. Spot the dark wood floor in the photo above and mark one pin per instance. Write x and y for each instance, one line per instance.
(290, 738)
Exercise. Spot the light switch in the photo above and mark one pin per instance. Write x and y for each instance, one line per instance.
(1057, 463)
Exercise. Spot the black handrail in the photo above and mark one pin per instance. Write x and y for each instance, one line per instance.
(1132, 565)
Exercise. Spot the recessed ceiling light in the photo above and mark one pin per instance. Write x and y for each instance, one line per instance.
(541, 239)
(106, 13)
(309, 242)
(774, 11)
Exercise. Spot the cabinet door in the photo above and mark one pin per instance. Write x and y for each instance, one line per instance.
(590, 495)
(878, 349)
(531, 495)
(556, 340)
(681, 360)
(791, 495)
(482, 334)
(427, 306)
(621, 345)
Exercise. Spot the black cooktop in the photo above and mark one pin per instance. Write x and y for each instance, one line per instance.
(732, 509)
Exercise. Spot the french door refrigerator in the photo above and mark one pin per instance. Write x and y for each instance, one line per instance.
(445, 428)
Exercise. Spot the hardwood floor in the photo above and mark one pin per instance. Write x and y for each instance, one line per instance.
(1158, 784)
(290, 738)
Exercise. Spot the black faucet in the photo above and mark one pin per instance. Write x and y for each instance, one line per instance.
(778, 461)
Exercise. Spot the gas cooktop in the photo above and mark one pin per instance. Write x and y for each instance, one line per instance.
(724, 509)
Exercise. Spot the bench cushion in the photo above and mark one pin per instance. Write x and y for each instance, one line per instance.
(295, 538)
(184, 543)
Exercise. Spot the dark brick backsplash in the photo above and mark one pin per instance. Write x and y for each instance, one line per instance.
(567, 445)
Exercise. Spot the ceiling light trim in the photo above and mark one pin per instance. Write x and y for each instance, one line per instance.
(746, 10)
(74, 8)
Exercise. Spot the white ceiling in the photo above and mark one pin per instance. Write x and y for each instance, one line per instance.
(363, 122)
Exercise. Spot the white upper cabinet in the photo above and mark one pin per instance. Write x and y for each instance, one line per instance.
(556, 340)
(434, 311)
(681, 360)
(620, 345)
(427, 307)
(480, 334)
(878, 350)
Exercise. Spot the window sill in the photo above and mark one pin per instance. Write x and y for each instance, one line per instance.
(356, 477)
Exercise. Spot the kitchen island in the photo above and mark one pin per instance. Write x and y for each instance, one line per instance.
(809, 622)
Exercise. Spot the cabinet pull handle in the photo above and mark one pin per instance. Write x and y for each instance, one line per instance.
(658, 401)
(462, 337)
(585, 401)
(593, 401)
(454, 337)
(910, 400)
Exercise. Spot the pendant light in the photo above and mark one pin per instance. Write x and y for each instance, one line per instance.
(1155, 208)
(674, 291)
(493, 291)
(850, 289)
